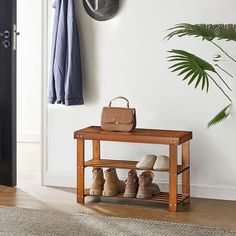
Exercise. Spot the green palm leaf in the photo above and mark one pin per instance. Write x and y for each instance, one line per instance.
(205, 31)
(222, 115)
(192, 67)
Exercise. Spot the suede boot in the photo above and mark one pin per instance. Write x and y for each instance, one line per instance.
(131, 187)
(98, 182)
(112, 184)
(146, 188)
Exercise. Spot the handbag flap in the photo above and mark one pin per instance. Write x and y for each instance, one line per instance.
(117, 115)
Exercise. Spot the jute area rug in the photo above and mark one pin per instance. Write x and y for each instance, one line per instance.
(20, 221)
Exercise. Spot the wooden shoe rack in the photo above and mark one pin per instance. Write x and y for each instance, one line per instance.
(167, 137)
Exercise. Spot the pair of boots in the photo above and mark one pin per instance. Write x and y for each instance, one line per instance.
(109, 186)
(141, 187)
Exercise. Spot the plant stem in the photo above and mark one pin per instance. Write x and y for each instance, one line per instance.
(219, 87)
(224, 70)
(223, 51)
(224, 82)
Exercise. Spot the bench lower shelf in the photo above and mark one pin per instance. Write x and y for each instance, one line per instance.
(163, 197)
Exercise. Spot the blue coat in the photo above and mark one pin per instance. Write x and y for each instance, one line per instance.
(65, 82)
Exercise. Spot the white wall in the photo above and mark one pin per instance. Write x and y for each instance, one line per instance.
(29, 71)
(127, 56)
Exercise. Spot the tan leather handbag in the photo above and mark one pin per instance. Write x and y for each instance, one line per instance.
(118, 118)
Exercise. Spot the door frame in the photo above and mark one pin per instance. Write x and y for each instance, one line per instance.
(44, 79)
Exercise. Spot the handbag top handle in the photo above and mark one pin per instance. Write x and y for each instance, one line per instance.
(119, 98)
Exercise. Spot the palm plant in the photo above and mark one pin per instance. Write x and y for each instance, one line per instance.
(195, 69)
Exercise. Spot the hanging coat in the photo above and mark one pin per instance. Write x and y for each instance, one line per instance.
(65, 82)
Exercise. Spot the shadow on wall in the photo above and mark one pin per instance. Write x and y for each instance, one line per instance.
(89, 57)
(88, 54)
(121, 5)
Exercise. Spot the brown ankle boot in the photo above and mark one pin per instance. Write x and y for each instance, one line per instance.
(98, 182)
(112, 184)
(131, 187)
(146, 187)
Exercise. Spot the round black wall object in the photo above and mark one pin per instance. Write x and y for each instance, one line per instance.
(101, 10)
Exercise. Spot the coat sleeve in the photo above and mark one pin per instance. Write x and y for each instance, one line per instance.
(73, 77)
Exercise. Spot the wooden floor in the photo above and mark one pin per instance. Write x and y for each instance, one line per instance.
(30, 194)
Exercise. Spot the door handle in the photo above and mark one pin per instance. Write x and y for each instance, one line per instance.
(6, 35)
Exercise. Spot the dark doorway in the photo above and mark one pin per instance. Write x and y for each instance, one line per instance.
(8, 92)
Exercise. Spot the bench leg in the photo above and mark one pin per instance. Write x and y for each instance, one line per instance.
(173, 149)
(186, 174)
(96, 149)
(80, 171)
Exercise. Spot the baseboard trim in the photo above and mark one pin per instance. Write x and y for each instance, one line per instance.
(211, 191)
(59, 181)
(28, 138)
